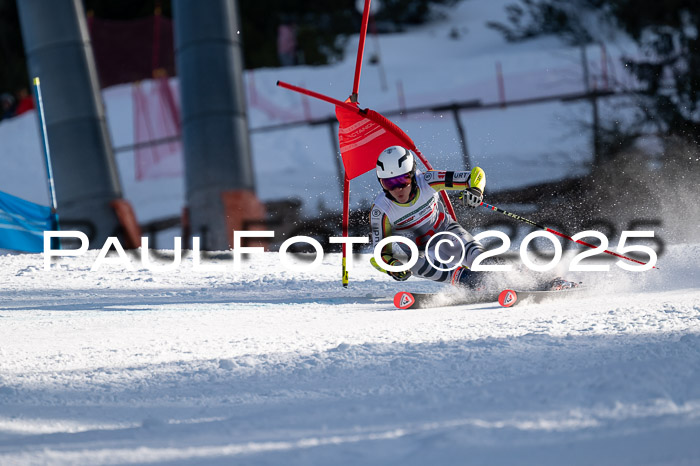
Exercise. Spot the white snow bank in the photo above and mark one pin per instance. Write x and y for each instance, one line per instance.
(268, 366)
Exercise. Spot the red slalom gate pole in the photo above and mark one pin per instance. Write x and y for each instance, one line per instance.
(443, 194)
(346, 223)
(316, 95)
(360, 52)
(542, 227)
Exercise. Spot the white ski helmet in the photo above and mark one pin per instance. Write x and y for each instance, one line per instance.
(395, 161)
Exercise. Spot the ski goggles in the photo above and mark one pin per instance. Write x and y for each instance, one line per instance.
(397, 182)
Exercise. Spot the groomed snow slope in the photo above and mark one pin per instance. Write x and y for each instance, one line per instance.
(266, 366)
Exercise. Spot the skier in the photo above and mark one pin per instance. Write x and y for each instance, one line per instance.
(409, 206)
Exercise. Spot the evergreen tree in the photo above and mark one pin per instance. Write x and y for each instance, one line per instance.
(667, 33)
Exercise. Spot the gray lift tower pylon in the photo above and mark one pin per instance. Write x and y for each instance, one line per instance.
(219, 172)
(59, 52)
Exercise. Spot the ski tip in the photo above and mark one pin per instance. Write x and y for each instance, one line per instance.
(404, 300)
(507, 298)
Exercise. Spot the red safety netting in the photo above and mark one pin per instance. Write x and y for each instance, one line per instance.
(158, 151)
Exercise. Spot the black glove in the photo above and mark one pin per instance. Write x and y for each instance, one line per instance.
(399, 276)
(472, 197)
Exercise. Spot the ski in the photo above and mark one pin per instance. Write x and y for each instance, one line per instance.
(509, 298)
(506, 298)
(407, 300)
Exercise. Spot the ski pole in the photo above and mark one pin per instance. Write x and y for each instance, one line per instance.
(542, 227)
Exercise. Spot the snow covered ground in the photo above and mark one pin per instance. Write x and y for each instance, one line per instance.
(267, 366)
